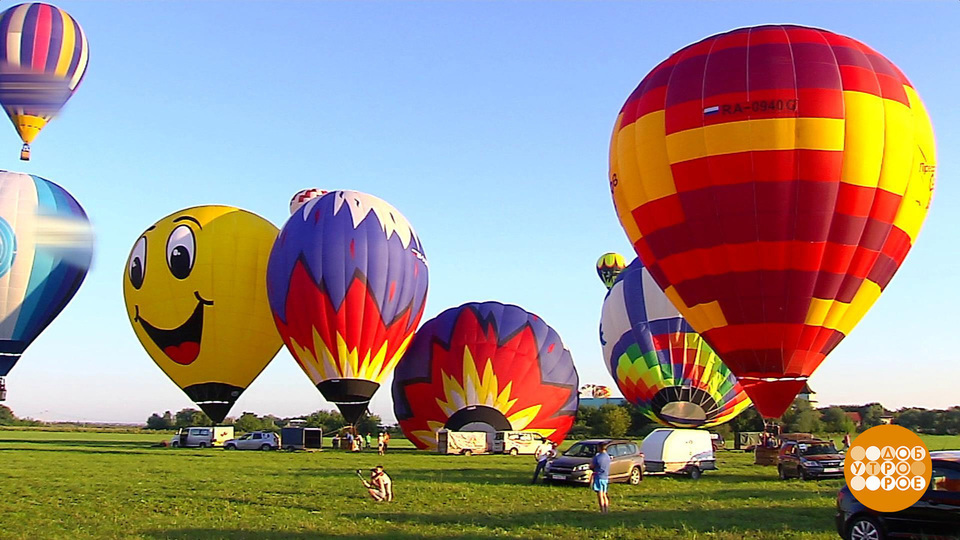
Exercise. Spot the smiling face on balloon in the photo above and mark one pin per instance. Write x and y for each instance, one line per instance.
(195, 292)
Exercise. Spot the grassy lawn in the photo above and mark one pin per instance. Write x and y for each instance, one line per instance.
(85, 485)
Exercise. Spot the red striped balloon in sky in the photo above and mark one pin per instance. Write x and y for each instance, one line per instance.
(43, 57)
(772, 179)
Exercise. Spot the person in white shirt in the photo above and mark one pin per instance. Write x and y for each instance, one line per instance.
(544, 453)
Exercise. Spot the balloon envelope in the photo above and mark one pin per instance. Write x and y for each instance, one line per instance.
(609, 266)
(772, 179)
(659, 363)
(347, 282)
(43, 57)
(195, 292)
(45, 250)
(485, 367)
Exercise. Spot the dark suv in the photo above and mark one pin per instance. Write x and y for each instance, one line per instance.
(935, 515)
(626, 462)
(809, 459)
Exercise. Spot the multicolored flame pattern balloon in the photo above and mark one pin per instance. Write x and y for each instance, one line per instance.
(347, 282)
(46, 245)
(659, 363)
(772, 179)
(485, 367)
(43, 57)
(609, 266)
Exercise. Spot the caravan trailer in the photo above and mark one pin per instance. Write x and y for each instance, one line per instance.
(679, 451)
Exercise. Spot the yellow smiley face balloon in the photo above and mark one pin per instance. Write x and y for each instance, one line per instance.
(195, 292)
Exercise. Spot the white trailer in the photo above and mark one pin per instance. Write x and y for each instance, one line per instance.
(678, 451)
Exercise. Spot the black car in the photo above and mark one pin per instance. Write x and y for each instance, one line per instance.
(935, 515)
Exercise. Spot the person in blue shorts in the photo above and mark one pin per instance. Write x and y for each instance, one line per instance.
(600, 465)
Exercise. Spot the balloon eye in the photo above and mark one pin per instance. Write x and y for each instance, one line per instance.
(181, 247)
(137, 268)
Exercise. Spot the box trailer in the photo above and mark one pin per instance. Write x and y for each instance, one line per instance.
(466, 443)
(301, 438)
(678, 451)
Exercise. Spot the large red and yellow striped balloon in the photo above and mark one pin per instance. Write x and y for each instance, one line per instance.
(772, 179)
(43, 57)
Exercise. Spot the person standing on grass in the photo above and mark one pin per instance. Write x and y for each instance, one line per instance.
(544, 453)
(366, 439)
(386, 441)
(380, 444)
(600, 465)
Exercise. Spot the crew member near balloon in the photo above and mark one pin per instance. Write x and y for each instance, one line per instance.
(485, 367)
(43, 58)
(46, 245)
(347, 282)
(772, 179)
(196, 296)
(658, 362)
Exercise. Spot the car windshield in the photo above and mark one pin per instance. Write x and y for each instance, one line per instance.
(818, 449)
(581, 450)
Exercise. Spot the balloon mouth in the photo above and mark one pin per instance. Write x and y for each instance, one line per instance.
(478, 418)
(214, 398)
(684, 407)
(180, 344)
(351, 396)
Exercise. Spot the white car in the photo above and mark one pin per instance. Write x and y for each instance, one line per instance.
(258, 440)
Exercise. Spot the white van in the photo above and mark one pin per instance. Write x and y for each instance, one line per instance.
(517, 442)
(683, 451)
(201, 437)
(462, 442)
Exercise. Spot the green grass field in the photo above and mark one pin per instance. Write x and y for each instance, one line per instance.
(90, 485)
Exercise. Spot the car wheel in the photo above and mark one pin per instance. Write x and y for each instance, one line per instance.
(468, 453)
(694, 472)
(781, 472)
(265, 447)
(865, 528)
(804, 476)
(230, 447)
(175, 445)
(514, 451)
(202, 445)
(636, 476)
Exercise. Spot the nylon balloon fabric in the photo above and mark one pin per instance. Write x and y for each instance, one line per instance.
(347, 282)
(659, 363)
(772, 180)
(609, 266)
(485, 367)
(43, 58)
(46, 246)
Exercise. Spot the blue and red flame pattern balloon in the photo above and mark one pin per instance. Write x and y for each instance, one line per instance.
(347, 283)
(485, 367)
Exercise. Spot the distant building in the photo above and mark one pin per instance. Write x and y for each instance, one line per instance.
(855, 416)
(887, 420)
(809, 395)
(597, 402)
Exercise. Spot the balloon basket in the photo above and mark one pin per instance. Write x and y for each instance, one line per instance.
(25, 153)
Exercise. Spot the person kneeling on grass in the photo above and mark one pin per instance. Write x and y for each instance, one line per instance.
(600, 465)
(380, 486)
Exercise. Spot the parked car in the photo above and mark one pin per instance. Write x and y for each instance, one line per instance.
(809, 459)
(678, 451)
(935, 515)
(201, 437)
(256, 440)
(626, 462)
(517, 442)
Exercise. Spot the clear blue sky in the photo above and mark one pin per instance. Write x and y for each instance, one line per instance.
(487, 124)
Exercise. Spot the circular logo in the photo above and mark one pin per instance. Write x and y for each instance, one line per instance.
(8, 246)
(887, 468)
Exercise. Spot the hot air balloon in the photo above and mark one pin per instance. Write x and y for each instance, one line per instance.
(772, 179)
(195, 292)
(485, 367)
(45, 249)
(347, 282)
(659, 363)
(609, 266)
(43, 57)
(301, 197)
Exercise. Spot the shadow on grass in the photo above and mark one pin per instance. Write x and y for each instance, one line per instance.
(82, 443)
(191, 534)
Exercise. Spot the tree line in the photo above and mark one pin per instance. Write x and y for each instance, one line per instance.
(328, 421)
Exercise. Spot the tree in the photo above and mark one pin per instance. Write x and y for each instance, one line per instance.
(748, 420)
(248, 422)
(191, 417)
(160, 422)
(835, 420)
(370, 423)
(613, 421)
(7, 418)
(801, 418)
(870, 415)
